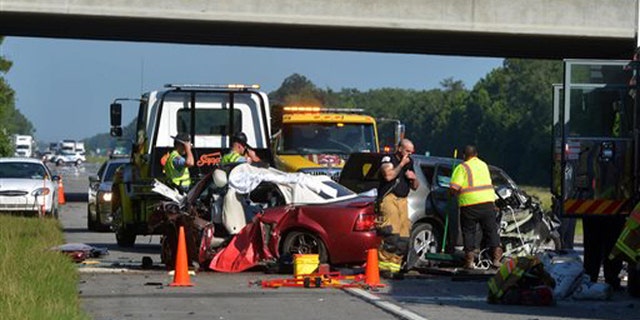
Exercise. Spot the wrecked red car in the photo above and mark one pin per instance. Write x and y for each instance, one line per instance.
(240, 217)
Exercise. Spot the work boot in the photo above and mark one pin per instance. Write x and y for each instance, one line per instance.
(497, 257)
(469, 260)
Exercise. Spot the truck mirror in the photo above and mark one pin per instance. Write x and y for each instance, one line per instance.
(116, 131)
(116, 114)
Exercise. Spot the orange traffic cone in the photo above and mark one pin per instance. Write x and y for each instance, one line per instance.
(372, 272)
(61, 199)
(181, 273)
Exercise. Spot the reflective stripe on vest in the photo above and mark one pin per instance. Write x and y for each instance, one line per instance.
(177, 177)
(475, 184)
(230, 157)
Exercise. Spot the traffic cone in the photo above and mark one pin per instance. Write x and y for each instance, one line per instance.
(181, 273)
(61, 199)
(372, 272)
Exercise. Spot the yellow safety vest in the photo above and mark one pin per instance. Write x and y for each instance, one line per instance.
(230, 157)
(177, 177)
(473, 182)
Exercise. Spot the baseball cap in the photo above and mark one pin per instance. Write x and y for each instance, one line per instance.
(241, 138)
(183, 137)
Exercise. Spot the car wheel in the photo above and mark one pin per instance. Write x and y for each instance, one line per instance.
(425, 238)
(78, 162)
(301, 242)
(59, 163)
(52, 214)
(91, 225)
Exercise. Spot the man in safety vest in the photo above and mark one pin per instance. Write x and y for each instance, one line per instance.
(471, 182)
(176, 168)
(240, 151)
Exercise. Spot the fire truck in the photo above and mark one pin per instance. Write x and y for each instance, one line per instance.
(210, 114)
(596, 142)
(317, 140)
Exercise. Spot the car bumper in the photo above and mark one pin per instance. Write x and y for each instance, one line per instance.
(25, 203)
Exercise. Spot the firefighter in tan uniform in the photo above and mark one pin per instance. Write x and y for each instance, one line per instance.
(396, 180)
(471, 182)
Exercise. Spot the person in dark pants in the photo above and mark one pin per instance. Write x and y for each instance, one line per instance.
(471, 183)
(600, 235)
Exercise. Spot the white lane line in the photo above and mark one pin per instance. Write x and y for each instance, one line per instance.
(436, 299)
(385, 305)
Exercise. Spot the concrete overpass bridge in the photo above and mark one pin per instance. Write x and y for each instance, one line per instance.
(500, 28)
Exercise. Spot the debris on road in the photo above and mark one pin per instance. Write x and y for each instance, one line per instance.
(79, 252)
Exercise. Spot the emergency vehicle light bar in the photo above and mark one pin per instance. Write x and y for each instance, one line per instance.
(212, 86)
(320, 109)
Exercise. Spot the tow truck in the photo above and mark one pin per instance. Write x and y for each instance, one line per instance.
(596, 140)
(318, 141)
(210, 114)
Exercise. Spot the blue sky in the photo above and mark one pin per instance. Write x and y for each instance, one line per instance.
(65, 86)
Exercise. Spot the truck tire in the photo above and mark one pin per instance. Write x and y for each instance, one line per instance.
(125, 238)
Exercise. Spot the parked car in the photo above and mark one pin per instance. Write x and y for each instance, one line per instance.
(46, 156)
(523, 226)
(298, 213)
(66, 157)
(99, 203)
(27, 187)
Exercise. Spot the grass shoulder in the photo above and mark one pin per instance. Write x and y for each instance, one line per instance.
(38, 283)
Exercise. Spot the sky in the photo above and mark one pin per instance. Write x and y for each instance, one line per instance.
(64, 87)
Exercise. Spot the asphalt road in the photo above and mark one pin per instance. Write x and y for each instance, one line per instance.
(115, 287)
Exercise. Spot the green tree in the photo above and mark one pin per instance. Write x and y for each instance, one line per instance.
(11, 120)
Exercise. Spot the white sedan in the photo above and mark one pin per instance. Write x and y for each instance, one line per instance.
(27, 186)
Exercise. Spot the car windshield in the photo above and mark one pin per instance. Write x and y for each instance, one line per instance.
(111, 169)
(337, 138)
(22, 170)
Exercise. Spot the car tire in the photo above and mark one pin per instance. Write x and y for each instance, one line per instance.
(425, 237)
(91, 225)
(302, 242)
(52, 214)
(59, 163)
(78, 162)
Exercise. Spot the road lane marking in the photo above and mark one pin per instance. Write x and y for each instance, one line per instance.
(385, 305)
